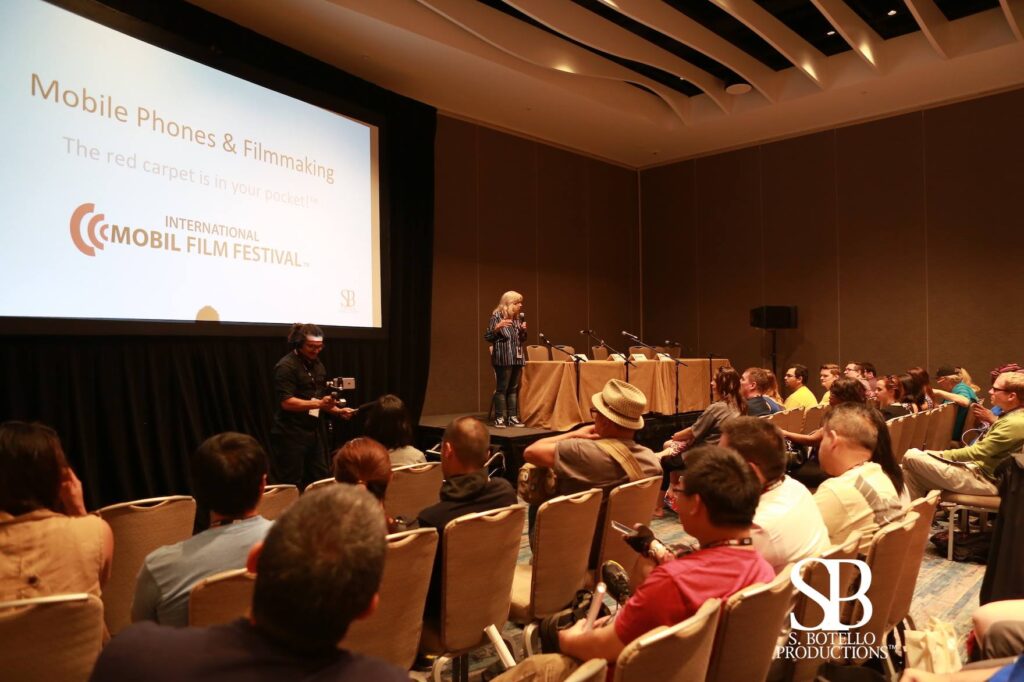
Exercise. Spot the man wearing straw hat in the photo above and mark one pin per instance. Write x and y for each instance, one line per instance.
(603, 454)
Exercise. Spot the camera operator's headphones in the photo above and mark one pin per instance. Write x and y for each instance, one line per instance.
(299, 332)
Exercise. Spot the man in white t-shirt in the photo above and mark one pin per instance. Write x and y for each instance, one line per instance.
(787, 525)
(865, 491)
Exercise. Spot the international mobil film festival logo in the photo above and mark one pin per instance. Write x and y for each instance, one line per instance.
(831, 638)
(91, 233)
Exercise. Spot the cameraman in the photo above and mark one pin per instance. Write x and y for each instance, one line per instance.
(298, 439)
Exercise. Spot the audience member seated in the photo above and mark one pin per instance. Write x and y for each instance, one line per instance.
(228, 475)
(888, 392)
(923, 395)
(866, 489)
(365, 462)
(826, 375)
(466, 490)
(953, 388)
(855, 370)
(707, 430)
(906, 393)
(716, 498)
(772, 392)
(796, 382)
(318, 570)
(753, 385)
(999, 629)
(870, 375)
(48, 545)
(787, 525)
(388, 423)
(971, 469)
(844, 390)
(603, 454)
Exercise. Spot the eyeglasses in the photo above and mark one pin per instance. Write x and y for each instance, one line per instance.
(998, 390)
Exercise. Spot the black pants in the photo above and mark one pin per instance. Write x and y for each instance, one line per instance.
(298, 458)
(506, 392)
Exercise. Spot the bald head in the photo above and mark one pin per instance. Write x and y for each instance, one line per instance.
(468, 441)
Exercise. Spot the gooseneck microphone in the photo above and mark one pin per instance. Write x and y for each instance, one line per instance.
(586, 331)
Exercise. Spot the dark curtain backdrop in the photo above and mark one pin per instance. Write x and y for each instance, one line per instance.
(130, 409)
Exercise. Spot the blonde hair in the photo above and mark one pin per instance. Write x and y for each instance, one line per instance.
(508, 299)
(1014, 383)
(966, 378)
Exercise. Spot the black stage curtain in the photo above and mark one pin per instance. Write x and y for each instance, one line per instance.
(129, 409)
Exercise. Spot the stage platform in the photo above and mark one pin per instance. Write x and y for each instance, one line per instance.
(512, 441)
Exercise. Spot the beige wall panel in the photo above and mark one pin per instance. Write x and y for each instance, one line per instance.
(882, 243)
(669, 247)
(975, 180)
(560, 310)
(614, 248)
(456, 346)
(507, 211)
(799, 200)
(729, 255)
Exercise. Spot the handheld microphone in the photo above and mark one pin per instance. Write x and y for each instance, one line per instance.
(522, 317)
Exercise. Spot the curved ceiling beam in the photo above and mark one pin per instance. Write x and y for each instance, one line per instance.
(536, 47)
(582, 25)
(1014, 11)
(678, 26)
(934, 26)
(794, 48)
(854, 30)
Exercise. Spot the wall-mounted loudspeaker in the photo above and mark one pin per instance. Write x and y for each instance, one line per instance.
(773, 317)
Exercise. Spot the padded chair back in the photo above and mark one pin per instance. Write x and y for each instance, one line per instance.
(812, 418)
(671, 351)
(943, 434)
(917, 440)
(934, 418)
(556, 356)
(413, 488)
(672, 654)
(276, 499)
(480, 553)
(629, 504)
(789, 420)
(808, 613)
(594, 670)
(140, 527)
(969, 423)
(599, 352)
(907, 437)
(642, 350)
(563, 534)
(886, 557)
(221, 597)
(50, 638)
(925, 508)
(749, 629)
(535, 353)
(319, 484)
(393, 631)
(896, 427)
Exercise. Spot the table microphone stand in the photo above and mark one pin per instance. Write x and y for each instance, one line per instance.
(576, 360)
(624, 355)
(676, 361)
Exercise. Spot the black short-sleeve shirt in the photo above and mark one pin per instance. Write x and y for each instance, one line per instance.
(294, 377)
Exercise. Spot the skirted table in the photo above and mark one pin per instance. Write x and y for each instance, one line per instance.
(548, 395)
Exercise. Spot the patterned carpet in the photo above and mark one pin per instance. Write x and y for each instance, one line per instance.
(947, 590)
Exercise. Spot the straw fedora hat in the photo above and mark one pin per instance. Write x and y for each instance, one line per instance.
(621, 403)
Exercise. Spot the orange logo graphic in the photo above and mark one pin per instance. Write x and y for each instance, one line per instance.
(76, 230)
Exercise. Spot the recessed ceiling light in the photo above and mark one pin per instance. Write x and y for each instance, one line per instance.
(831, 33)
(891, 13)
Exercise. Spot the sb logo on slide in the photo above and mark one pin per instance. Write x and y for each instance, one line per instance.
(347, 298)
(831, 603)
(77, 234)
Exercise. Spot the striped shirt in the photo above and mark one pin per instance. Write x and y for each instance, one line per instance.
(507, 343)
